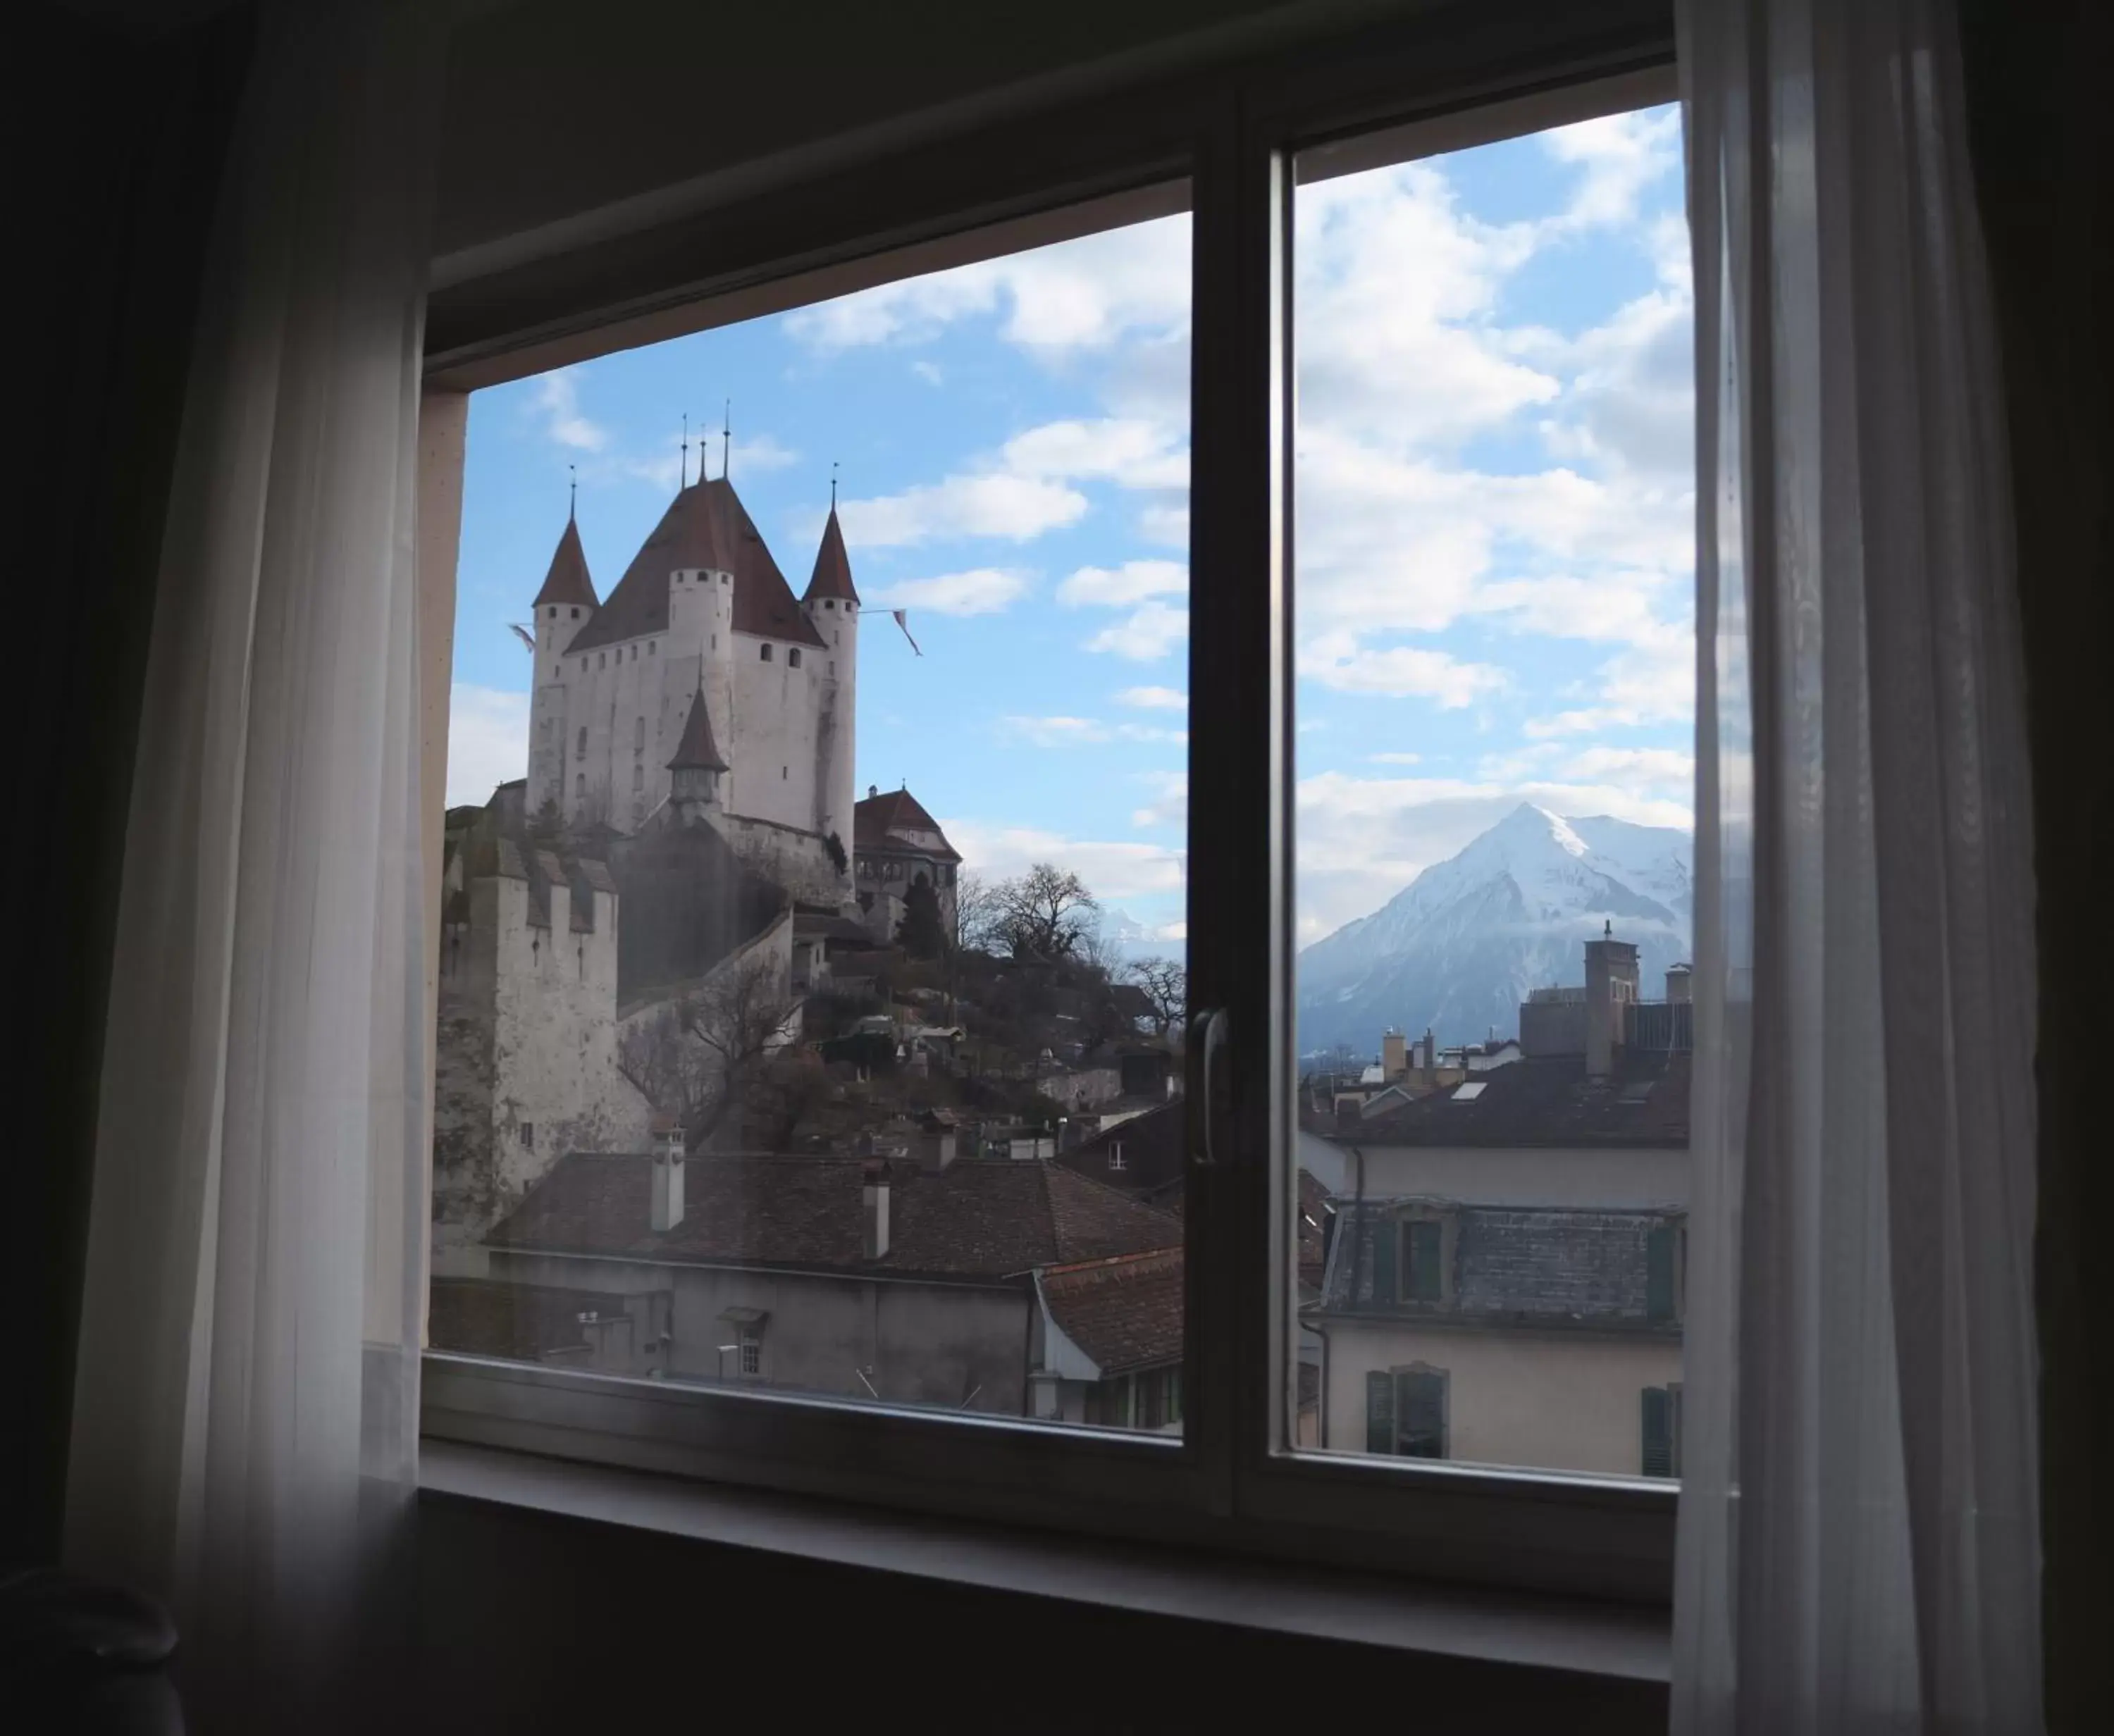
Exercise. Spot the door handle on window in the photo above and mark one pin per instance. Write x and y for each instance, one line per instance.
(1207, 1052)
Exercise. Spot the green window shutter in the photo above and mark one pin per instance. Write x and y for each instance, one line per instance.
(1658, 1273)
(1425, 1240)
(1658, 1432)
(1420, 1403)
(1379, 1412)
(1386, 1233)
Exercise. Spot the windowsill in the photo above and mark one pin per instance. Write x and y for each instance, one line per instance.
(1576, 1636)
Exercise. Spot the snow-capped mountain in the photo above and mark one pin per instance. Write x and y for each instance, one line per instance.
(1458, 948)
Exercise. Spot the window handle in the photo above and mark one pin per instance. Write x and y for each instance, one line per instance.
(1207, 1062)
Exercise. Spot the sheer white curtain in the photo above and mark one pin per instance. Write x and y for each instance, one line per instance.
(244, 1425)
(1859, 1542)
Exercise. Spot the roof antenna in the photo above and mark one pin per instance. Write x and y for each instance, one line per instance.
(726, 440)
(573, 504)
(684, 475)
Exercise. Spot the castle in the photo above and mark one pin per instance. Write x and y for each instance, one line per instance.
(701, 647)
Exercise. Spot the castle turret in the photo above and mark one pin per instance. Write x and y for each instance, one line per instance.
(695, 769)
(832, 605)
(567, 604)
(701, 594)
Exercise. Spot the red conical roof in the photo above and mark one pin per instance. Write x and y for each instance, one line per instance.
(698, 751)
(833, 567)
(568, 581)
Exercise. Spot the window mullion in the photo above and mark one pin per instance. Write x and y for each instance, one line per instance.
(1237, 761)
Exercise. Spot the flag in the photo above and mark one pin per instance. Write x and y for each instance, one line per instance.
(903, 620)
(522, 634)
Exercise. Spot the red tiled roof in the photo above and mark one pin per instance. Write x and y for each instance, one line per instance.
(976, 1219)
(892, 811)
(706, 525)
(1125, 1313)
(568, 581)
(832, 576)
(697, 747)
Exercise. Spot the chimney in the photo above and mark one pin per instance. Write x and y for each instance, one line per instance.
(1611, 983)
(872, 791)
(1430, 1055)
(668, 1168)
(873, 1197)
(1677, 980)
(1394, 1055)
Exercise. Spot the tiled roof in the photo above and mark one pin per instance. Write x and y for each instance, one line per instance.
(1125, 1313)
(1546, 1102)
(697, 748)
(833, 568)
(706, 525)
(522, 1322)
(568, 580)
(1530, 1266)
(1154, 1145)
(973, 1219)
(896, 811)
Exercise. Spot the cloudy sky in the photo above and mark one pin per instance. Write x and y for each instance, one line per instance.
(1495, 517)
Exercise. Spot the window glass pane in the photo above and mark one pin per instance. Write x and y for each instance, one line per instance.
(1495, 646)
(844, 992)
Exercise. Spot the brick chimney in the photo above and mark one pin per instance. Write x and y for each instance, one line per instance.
(873, 1200)
(1394, 1055)
(1611, 982)
(1430, 1048)
(668, 1168)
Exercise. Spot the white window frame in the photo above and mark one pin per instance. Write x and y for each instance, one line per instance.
(1235, 1478)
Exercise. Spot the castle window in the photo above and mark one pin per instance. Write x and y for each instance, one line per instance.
(638, 733)
(576, 614)
(833, 665)
(601, 660)
(764, 655)
(781, 774)
(793, 658)
(580, 752)
(528, 1134)
(634, 654)
(653, 646)
(580, 785)
(639, 777)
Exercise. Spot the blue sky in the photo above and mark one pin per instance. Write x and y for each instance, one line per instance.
(1494, 511)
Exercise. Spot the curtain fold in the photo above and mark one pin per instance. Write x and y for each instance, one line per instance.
(1860, 1535)
(245, 1423)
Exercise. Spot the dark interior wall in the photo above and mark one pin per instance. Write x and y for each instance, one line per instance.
(110, 199)
(556, 108)
(2043, 143)
(530, 1622)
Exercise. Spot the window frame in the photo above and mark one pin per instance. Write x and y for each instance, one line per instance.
(1235, 1478)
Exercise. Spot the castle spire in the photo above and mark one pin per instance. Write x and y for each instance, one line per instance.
(833, 485)
(697, 751)
(726, 440)
(569, 581)
(572, 495)
(832, 576)
(683, 475)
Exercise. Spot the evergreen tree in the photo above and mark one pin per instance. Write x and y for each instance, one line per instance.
(922, 932)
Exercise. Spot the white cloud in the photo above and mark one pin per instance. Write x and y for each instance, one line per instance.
(1090, 293)
(1126, 449)
(929, 373)
(993, 504)
(981, 591)
(1112, 870)
(1166, 524)
(1073, 732)
(1395, 758)
(488, 741)
(556, 399)
(1145, 633)
(1666, 768)
(1154, 699)
(1398, 672)
(1621, 155)
(755, 452)
(1170, 806)
(1131, 582)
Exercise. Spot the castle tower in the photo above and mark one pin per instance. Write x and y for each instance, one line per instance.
(832, 605)
(567, 604)
(701, 616)
(696, 767)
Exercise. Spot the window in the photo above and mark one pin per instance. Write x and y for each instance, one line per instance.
(1481, 545)
(580, 750)
(527, 1134)
(638, 733)
(1661, 1430)
(653, 647)
(638, 778)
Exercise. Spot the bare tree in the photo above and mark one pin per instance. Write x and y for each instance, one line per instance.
(1046, 912)
(977, 913)
(697, 1056)
(1165, 982)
